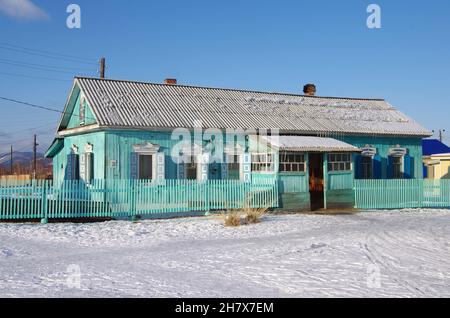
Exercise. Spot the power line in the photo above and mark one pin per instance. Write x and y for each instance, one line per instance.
(35, 77)
(47, 54)
(39, 107)
(31, 105)
(36, 129)
(39, 68)
(49, 66)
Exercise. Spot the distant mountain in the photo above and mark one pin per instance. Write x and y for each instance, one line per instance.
(23, 158)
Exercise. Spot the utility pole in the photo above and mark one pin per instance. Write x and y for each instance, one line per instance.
(11, 170)
(35, 144)
(441, 134)
(102, 67)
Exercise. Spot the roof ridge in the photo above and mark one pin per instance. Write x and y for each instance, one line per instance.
(232, 89)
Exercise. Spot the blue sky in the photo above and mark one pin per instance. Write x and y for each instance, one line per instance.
(259, 45)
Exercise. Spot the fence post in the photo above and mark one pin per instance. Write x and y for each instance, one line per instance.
(44, 213)
(208, 187)
(421, 192)
(133, 193)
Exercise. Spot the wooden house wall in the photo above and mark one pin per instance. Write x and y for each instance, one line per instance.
(113, 150)
(412, 163)
(60, 161)
(119, 148)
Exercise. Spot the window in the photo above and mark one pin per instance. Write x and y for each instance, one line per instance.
(145, 167)
(191, 169)
(292, 162)
(263, 162)
(366, 167)
(397, 167)
(339, 162)
(233, 167)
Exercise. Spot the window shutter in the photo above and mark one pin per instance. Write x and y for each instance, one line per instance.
(181, 172)
(246, 167)
(89, 167)
(358, 167)
(390, 168)
(377, 167)
(224, 170)
(160, 166)
(203, 167)
(134, 165)
(72, 167)
(408, 167)
(83, 175)
(69, 167)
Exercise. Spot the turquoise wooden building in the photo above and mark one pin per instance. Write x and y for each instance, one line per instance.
(314, 146)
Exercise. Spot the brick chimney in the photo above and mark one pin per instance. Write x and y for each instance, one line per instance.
(170, 81)
(309, 90)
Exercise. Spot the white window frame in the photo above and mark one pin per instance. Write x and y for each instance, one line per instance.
(152, 156)
(191, 161)
(193, 153)
(282, 157)
(398, 152)
(271, 164)
(231, 151)
(234, 162)
(338, 163)
(147, 149)
(364, 168)
(402, 167)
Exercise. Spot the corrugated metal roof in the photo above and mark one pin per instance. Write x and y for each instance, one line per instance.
(433, 147)
(128, 104)
(309, 144)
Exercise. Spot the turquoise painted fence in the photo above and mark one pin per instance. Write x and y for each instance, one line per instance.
(127, 198)
(397, 194)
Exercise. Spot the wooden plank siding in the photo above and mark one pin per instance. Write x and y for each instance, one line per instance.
(413, 164)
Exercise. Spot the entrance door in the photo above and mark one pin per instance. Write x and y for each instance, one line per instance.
(316, 184)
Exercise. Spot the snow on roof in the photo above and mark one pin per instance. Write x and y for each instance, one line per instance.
(441, 155)
(158, 106)
(309, 144)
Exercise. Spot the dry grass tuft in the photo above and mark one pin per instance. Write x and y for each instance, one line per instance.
(246, 215)
(254, 215)
(232, 218)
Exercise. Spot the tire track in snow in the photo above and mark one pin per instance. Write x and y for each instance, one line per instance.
(388, 250)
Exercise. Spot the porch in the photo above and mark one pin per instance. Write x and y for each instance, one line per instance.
(314, 173)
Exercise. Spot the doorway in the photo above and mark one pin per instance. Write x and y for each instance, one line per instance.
(316, 184)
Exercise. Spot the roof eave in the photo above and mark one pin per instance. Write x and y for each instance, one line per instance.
(286, 132)
(320, 150)
(55, 147)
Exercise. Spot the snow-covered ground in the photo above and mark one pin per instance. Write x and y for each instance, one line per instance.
(396, 253)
